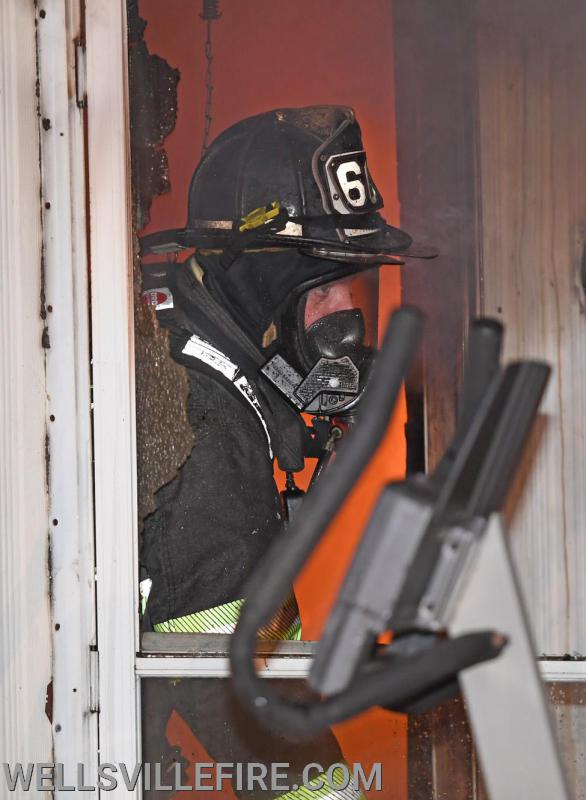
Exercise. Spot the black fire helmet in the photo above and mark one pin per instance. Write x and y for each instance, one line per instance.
(292, 177)
(280, 203)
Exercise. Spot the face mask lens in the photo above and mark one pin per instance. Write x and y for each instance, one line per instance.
(365, 297)
(358, 293)
(333, 349)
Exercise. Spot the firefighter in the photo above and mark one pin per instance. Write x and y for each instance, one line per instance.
(268, 321)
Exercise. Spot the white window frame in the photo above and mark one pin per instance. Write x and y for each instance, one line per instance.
(46, 506)
(25, 632)
(113, 382)
(114, 411)
(67, 378)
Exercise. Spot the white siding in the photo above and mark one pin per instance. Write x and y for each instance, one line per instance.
(25, 629)
(532, 128)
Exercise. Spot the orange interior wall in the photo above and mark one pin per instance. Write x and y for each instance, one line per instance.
(269, 54)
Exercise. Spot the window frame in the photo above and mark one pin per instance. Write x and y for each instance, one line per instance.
(108, 155)
(122, 663)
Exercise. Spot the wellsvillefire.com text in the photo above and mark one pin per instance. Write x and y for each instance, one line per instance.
(183, 777)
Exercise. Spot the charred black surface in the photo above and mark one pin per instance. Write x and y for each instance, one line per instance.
(164, 437)
(49, 702)
(153, 113)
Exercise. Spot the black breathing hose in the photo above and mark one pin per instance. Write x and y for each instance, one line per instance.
(390, 683)
(271, 581)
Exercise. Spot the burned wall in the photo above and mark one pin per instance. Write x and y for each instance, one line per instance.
(164, 436)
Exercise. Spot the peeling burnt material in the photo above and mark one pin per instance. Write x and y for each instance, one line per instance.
(49, 702)
(153, 113)
(46, 124)
(45, 341)
(50, 569)
(43, 309)
(164, 436)
(47, 461)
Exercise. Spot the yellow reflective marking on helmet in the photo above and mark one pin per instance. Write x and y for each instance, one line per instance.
(260, 216)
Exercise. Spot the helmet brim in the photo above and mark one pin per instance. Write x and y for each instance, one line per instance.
(384, 245)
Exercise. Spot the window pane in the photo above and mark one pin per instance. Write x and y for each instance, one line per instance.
(197, 720)
(569, 709)
(447, 732)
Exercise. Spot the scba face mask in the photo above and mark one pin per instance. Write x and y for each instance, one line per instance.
(312, 323)
(331, 336)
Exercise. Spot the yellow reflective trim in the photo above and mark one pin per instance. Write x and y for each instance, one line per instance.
(286, 624)
(325, 792)
(259, 216)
